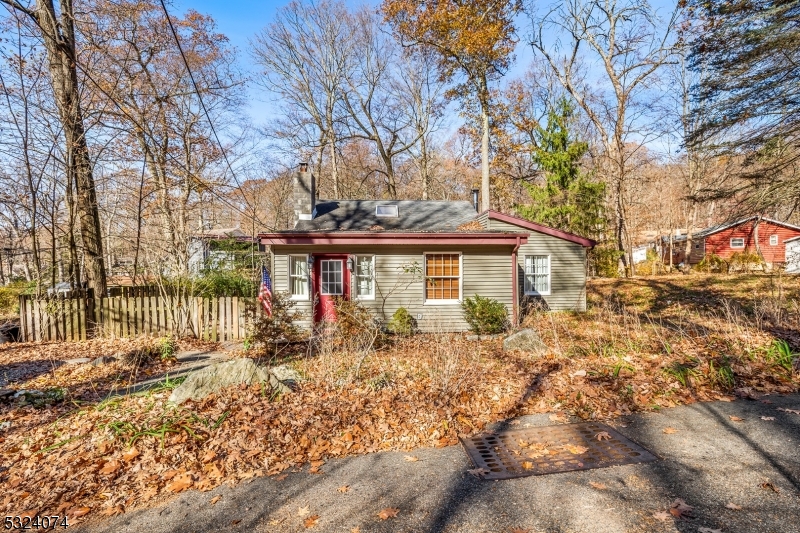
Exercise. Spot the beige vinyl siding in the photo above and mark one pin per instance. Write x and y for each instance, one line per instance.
(486, 271)
(567, 267)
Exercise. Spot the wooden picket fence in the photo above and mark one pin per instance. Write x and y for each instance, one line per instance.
(80, 316)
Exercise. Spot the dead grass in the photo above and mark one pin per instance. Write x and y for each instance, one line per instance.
(643, 345)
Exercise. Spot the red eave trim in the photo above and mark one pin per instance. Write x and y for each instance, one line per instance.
(539, 228)
(353, 238)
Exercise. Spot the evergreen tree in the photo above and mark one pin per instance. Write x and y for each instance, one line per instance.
(747, 56)
(568, 199)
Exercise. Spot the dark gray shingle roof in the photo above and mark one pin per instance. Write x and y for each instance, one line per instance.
(414, 215)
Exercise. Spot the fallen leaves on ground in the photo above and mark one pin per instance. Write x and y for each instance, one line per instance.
(411, 458)
(680, 509)
(406, 397)
(793, 411)
(180, 482)
(215, 499)
(520, 530)
(478, 472)
(662, 515)
(670, 431)
(768, 418)
(389, 512)
(303, 511)
(735, 418)
(344, 488)
(598, 486)
(708, 530)
(559, 417)
(733, 506)
(603, 435)
(311, 521)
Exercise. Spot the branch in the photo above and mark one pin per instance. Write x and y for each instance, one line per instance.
(19, 7)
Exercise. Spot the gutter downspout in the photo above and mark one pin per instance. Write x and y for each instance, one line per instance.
(515, 287)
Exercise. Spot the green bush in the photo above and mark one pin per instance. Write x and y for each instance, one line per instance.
(168, 347)
(604, 261)
(485, 315)
(402, 323)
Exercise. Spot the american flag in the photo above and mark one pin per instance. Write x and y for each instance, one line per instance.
(265, 291)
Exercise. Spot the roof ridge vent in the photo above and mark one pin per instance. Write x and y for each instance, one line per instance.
(387, 210)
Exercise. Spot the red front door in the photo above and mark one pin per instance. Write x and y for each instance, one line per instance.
(331, 279)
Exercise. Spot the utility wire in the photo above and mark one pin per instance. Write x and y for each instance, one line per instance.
(202, 104)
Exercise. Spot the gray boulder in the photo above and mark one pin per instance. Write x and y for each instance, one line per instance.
(201, 383)
(103, 360)
(286, 375)
(526, 340)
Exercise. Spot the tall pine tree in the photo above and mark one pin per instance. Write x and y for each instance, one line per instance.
(568, 199)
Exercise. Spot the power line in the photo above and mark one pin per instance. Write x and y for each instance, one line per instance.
(203, 105)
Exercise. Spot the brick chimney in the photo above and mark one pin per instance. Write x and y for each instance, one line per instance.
(304, 194)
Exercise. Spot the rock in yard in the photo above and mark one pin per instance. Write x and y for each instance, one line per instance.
(203, 382)
(39, 398)
(103, 360)
(286, 375)
(526, 340)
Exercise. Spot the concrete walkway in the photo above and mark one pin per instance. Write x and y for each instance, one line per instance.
(709, 462)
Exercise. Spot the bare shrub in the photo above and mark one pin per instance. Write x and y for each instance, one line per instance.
(342, 346)
(449, 364)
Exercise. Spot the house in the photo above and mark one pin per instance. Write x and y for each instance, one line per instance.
(740, 236)
(425, 256)
(206, 252)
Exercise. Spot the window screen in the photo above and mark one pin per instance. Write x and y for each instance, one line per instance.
(298, 276)
(365, 277)
(442, 276)
(537, 274)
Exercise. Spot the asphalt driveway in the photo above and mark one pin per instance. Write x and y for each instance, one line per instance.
(710, 461)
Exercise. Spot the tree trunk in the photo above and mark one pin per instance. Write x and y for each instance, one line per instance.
(423, 166)
(485, 191)
(334, 171)
(59, 41)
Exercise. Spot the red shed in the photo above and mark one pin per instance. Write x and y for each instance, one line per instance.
(740, 236)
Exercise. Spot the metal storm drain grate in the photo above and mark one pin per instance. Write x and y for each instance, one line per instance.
(550, 449)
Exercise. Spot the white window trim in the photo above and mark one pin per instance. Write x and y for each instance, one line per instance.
(298, 297)
(549, 275)
(737, 239)
(372, 280)
(775, 238)
(425, 299)
(342, 263)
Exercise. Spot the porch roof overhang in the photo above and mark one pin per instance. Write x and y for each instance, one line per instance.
(393, 238)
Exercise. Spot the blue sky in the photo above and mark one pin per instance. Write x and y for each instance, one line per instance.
(240, 20)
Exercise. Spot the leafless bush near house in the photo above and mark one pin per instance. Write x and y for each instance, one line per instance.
(450, 364)
(341, 347)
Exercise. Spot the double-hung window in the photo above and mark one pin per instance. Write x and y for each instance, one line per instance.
(365, 277)
(442, 277)
(537, 274)
(737, 242)
(298, 277)
(773, 240)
